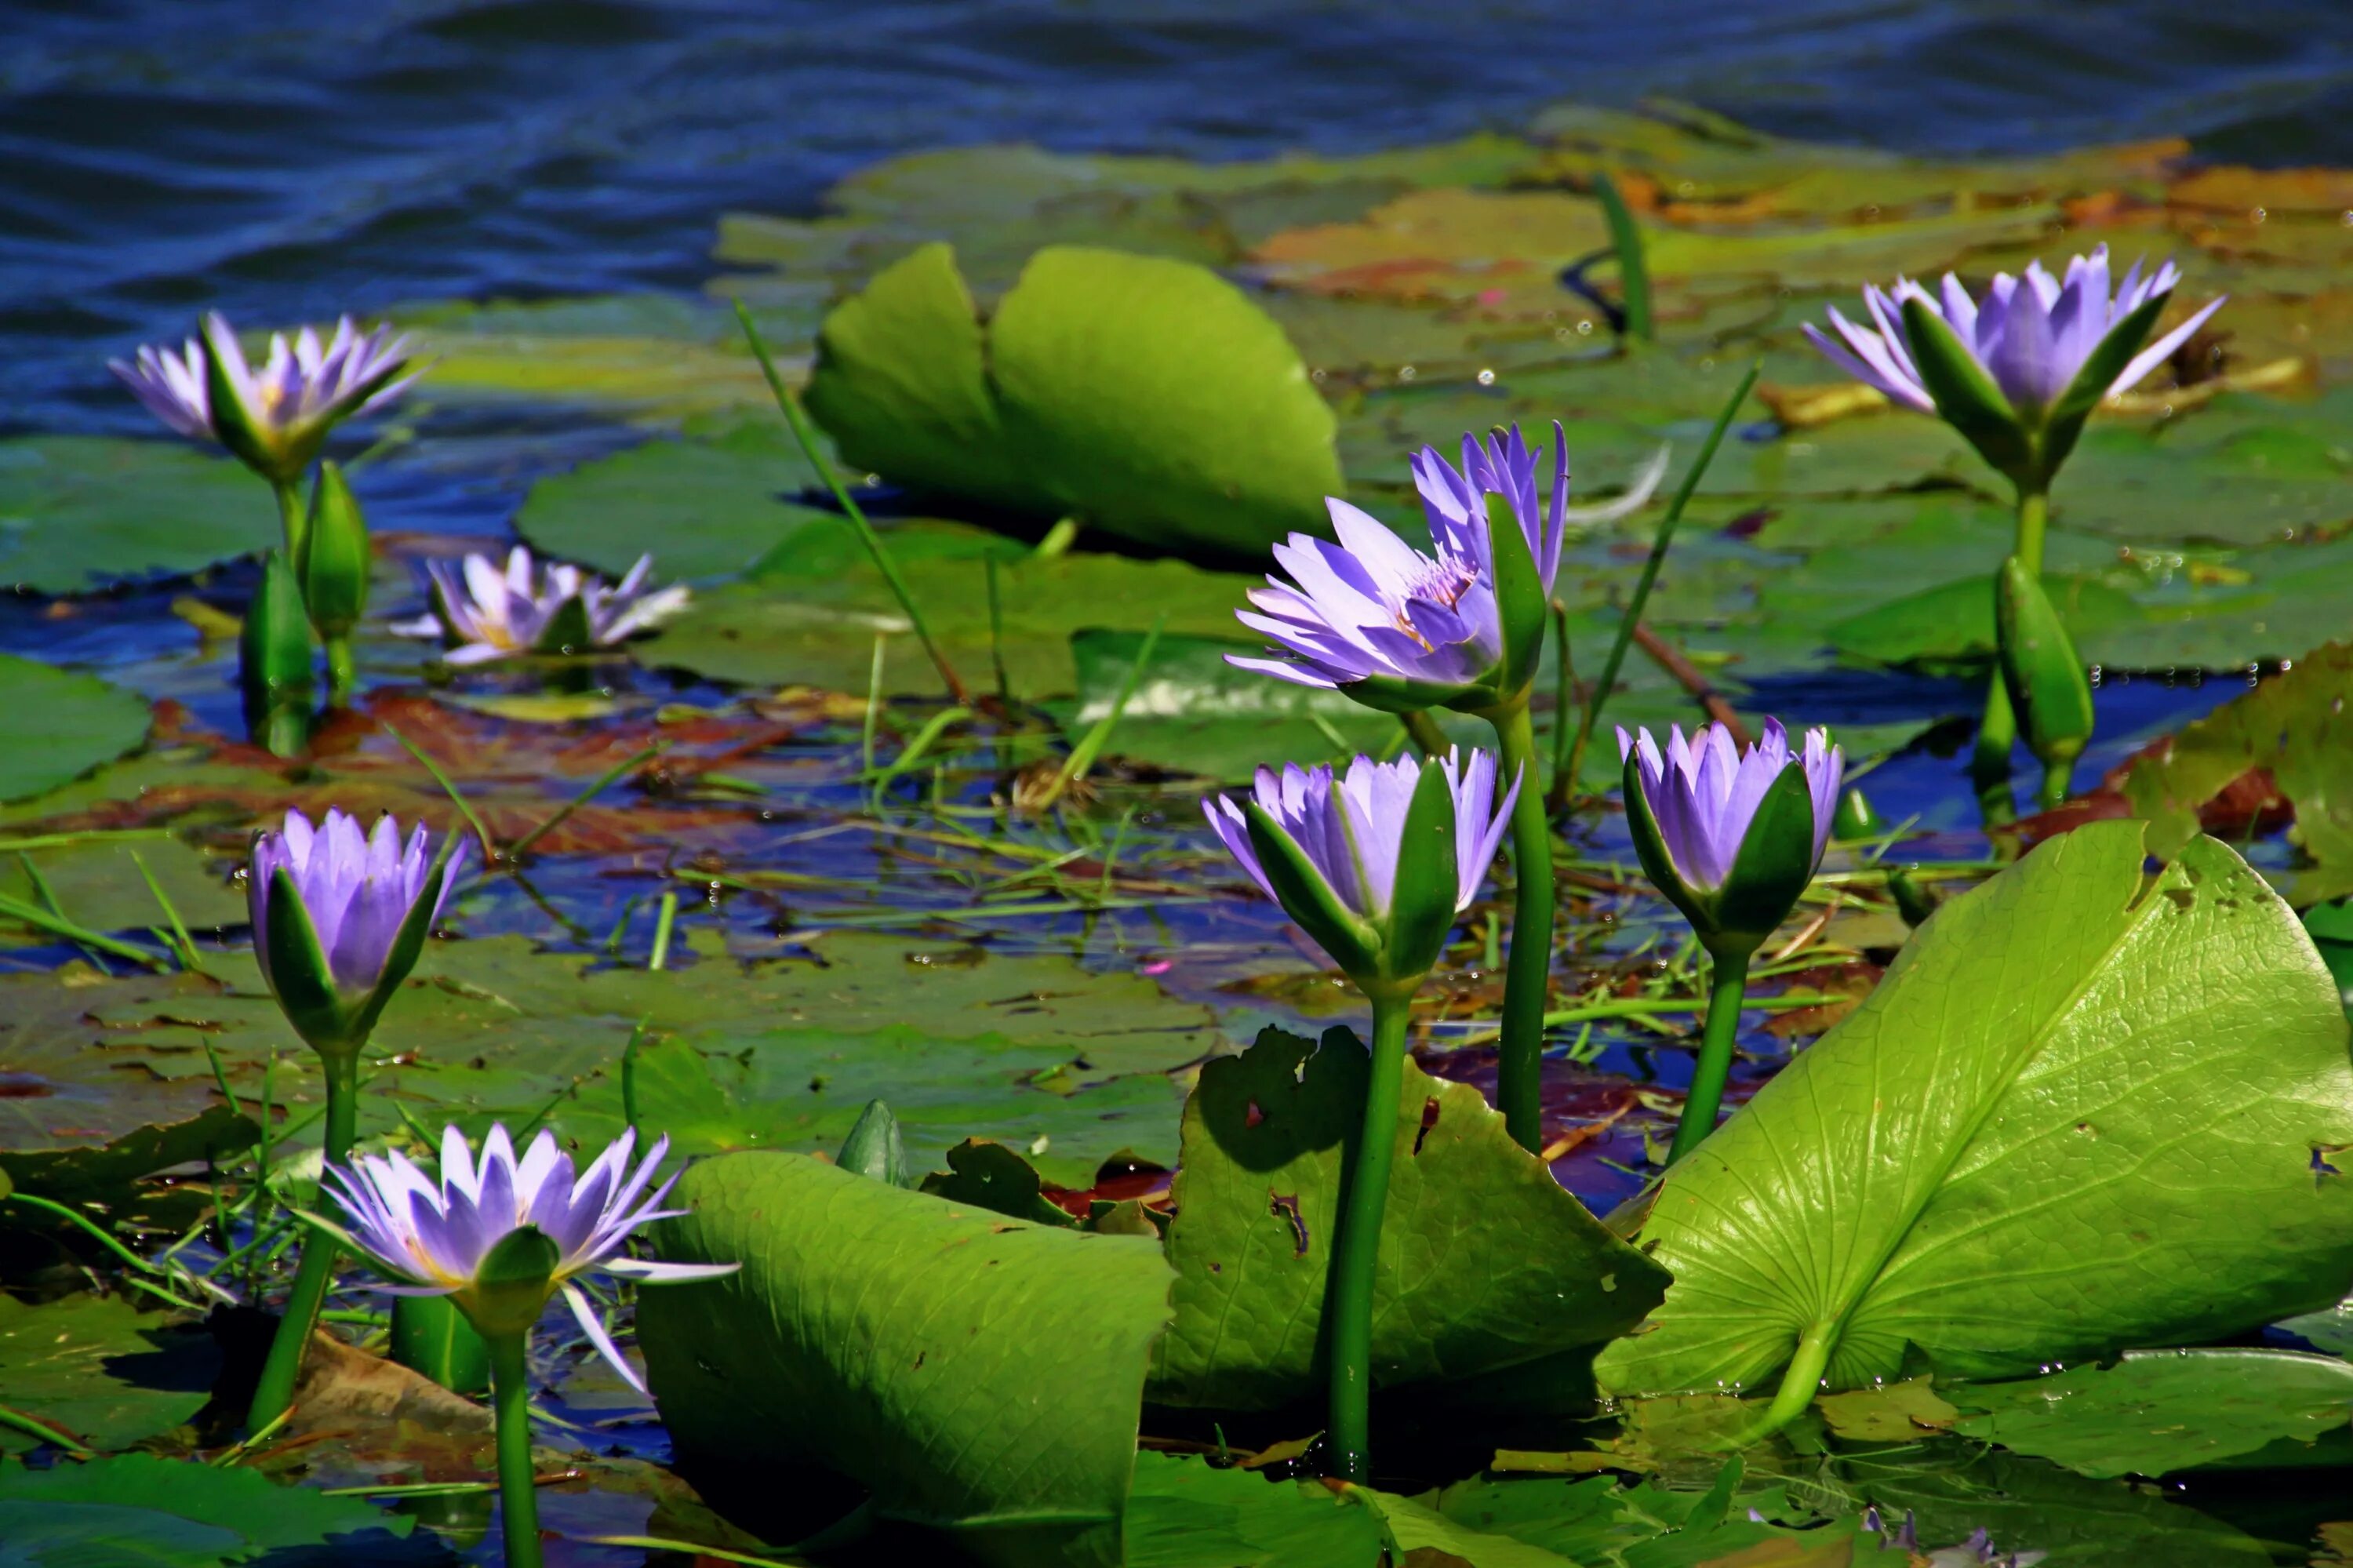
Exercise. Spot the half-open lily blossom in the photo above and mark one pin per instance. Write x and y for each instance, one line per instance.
(1349, 828)
(2031, 333)
(1372, 606)
(482, 612)
(285, 407)
(1704, 793)
(357, 888)
(433, 1237)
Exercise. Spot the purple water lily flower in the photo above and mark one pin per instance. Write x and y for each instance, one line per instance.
(1349, 827)
(482, 612)
(1704, 792)
(283, 409)
(1373, 607)
(2031, 333)
(433, 1237)
(357, 889)
(1977, 1551)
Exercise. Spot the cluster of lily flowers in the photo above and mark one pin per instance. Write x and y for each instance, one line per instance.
(1373, 861)
(276, 418)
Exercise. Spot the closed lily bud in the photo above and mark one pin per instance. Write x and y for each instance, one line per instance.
(333, 561)
(1376, 863)
(500, 1237)
(2050, 690)
(1731, 838)
(274, 650)
(339, 918)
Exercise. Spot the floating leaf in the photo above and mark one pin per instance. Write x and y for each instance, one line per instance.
(1485, 1261)
(1146, 396)
(2295, 727)
(872, 1331)
(2082, 1111)
(191, 1506)
(80, 511)
(2155, 1412)
(99, 1370)
(1185, 1513)
(700, 509)
(59, 725)
(98, 885)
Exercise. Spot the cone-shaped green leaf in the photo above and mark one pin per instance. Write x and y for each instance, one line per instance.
(333, 563)
(274, 651)
(1421, 904)
(1307, 898)
(1855, 817)
(232, 424)
(2065, 421)
(430, 1336)
(1967, 398)
(568, 630)
(407, 944)
(2047, 687)
(1775, 862)
(512, 1285)
(875, 1147)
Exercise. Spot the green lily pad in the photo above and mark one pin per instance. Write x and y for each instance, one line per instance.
(2297, 727)
(977, 1374)
(2155, 1412)
(2016, 1202)
(1145, 395)
(702, 509)
(59, 725)
(812, 611)
(80, 511)
(98, 885)
(1185, 1513)
(98, 1369)
(193, 1504)
(1486, 1261)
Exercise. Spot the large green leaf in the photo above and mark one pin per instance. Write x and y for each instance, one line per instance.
(2297, 728)
(1485, 1261)
(99, 1370)
(98, 884)
(1145, 395)
(976, 1373)
(1185, 1513)
(59, 724)
(191, 1506)
(78, 511)
(2082, 1111)
(702, 509)
(2158, 1411)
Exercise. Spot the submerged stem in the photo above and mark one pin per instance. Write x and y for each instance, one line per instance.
(1799, 1384)
(315, 1275)
(1357, 1254)
(518, 1500)
(1723, 998)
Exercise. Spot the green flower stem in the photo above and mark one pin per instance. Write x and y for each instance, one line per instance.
(1997, 731)
(1799, 1384)
(1520, 1069)
(342, 670)
(1726, 991)
(518, 1497)
(315, 1275)
(1355, 1260)
(291, 517)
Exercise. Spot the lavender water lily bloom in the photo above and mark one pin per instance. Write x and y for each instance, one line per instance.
(434, 1237)
(1348, 833)
(274, 417)
(1398, 629)
(1733, 837)
(362, 905)
(482, 612)
(2018, 369)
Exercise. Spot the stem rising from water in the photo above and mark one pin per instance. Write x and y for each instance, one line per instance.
(1519, 1068)
(1356, 1258)
(1723, 998)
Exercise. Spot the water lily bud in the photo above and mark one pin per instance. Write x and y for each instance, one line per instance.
(875, 1147)
(2049, 689)
(1855, 817)
(332, 563)
(1731, 838)
(1374, 865)
(274, 650)
(500, 1237)
(339, 918)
